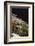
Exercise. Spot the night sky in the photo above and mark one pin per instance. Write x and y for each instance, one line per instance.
(21, 13)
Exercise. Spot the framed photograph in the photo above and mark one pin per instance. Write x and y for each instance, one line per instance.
(18, 22)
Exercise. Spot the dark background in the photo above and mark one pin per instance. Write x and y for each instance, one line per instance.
(21, 13)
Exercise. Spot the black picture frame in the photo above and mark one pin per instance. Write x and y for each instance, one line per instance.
(5, 22)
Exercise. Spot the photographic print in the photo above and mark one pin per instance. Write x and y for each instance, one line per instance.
(19, 22)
